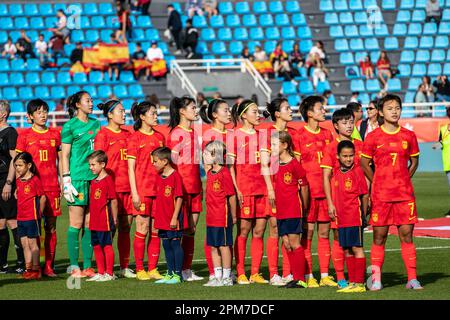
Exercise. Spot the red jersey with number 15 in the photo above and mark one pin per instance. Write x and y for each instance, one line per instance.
(43, 147)
(115, 144)
(312, 148)
(391, 153)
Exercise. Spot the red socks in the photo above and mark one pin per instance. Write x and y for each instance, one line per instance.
(257, 250)
(324, 252)
(351, 268)
(99, 259)
(123, 244)
(208, 257)
(360, 270)
(139, 250)
(188, 248)
(297, 263)
(50, 247)
(153, 249)
(409, 259)
(109, 259)
(306, 244)
(377, 260)
(286, 264)
(240, 250)
(337, 253)
(272, 255)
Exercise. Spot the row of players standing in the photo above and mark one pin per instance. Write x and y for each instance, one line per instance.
(130, 163)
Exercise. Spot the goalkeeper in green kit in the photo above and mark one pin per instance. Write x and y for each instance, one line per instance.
(77, 143)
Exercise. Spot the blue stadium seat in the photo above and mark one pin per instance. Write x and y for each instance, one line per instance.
(95, 77)
(16, 78)
(371, 44)
(332, 100)
(4, 79)
(305, 46)
(17, 106)
(135, 91)
(121, 91)
(361, 17)
(437, 55)
(355, 72)
(407, 4)
(15, 9)
(407, 56)
(112, 22)
(138, 34)
(293, 99)
(340, 5)
(400, 29)
(92, 90)
(269, 46)
(304, 33)
(152, 35)
(266, 20)
(236, 48)
(218, 47)
(202, 48)
(260, 7)
(370, 4)
(411, 43)
(372, 85)
(233, 20)
(104, 91)
(403, 16)
(42, 92)
(365, 31)
(306, 87)
(394, 85)
(208, 34)
(346, 58)
(404, 70)
(430, 28)
(336, 32)
(446, 15)
(288, 33)
(292, 6)
(225, 34)
(37, 23)
(216, 22)
(298, 19)
(422, 56)
(163, 46)
(444, 28)
(93, 36)
(6, 23)
(391, 43)
(127, 77)
(15, 35)
(357, 85)
(426, 42)
(434, 69)
(249, 20)
(418, 15)
(3, 37)
(60, 6)
(276, 7)
(331, 18)
(382, 30)
(10, 93)
(322, 86)
(17, 65)
(57, 92)
(80, 78)
(288, 88)
(287, 46)
(207, 57)
(127, 103)
(74, 89)
(31, 9)
(225, 7)
(415, 29)
(199, 22)
(447, 68)
(242, 7)
(419, 70)
(355, 5)
(422, 4)
(240, 34)
(356, 44)
(46, 9)
(346, 18)
(409, 97)
(414, 83)
(98, 22)
(326, 5)
(47, 78)
(257, 34)
(351, 31)
(3, 9)
(50, 22)
(106, 8)
(282, 20)
(90, 9)
(63, 78)
(105, 35)
(439, 111)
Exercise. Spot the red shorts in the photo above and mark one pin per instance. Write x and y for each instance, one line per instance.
(147, 207)
(318, 211)
(192, 202)
(124, 203)
(393, 213)
(254, 207)
(333, 224)
(52, 204)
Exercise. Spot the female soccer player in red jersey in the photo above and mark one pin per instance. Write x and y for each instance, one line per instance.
(183, 142)
(395, 152)
(289, 181)
(217, 113)
(313, 142)
(142, 175)
(280, 112)
(251, 189)
(44, 145)
(113, 140)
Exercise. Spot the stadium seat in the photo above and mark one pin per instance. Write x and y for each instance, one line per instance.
(340, 5)
(152, 35)
(260, 7)
(127, 103)
(298, 19)
(288, 33)
(407, 56)
(365, 31)
(16, 78)
(444, 28)
(355, 5)
(60, 6)
(105, 35)
(356, 44)
(242, 7)
(240, 34)
(93, 36)
(225, 34)
(249, 20)
(422, 4)
(97, 22)
(225, 7)
(104, 91)
(434, 69)
(33, 65)
(163, 46)
(361, 17)
(46, 9)
(17, 65)
(346, 58)
(80, 78)
(441, 42)
(419, 70)
(288, 88)
(446, 15)
(31, 9)
(4, 79)
(293, 99)
(373, 85)
(37, 23)
(293, 6)
(403, 16)
(266, 20)
(15, 9)
(351, 31)
(391, 43)
(3, 9)
(430, 28)
(57, 92)
(322, 86)
(233, 21)
(92, 90)
(272, 33)
(47, 78)
(382, 30)
(426, 42)
(50, 22)
(106, 8)
(437, 55)
(411, 43)
(332, 100)
(3, 37)
(407, 4)
(257, 34)
(415, 29)
(282, 20)
(6, 23)
(346, 18)
(371, 44)
(336, 32)
(394, 85)
(42, 92)
(305, 46)
(208, 34)
(418, 15)
(400, 29)
(422, 56)
(90, 9)
(331, 18)
(439, 111)
(199, 22)
(216, 22)
(276, 7)
(74, 89)
(135, 91)
(218, 47)
(404, 70)
(121, 91)
(357, 85)
(112, 22)
(202, 48)
(409, 97)
(306, 87)
(17, 106)
(95, 77)
(355, 72)
(447, 68)
(304, 33)
(127, 77)
(236, 48)
(287, 46)
(326, 5)
(63, 78)
(269, 46)
(10, 93)
(370, 4)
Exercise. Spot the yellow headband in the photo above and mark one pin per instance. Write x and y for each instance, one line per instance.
(245, 109)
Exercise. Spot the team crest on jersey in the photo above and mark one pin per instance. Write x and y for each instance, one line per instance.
(52, 142)
(327, 141)
(97, 194)
(168, 191)
(348, 184)
(246, 211)
(217, 186)
(375, 217)
(142, 207)
(287, 178)
(81, 196)
(405, 145)
(27, 189)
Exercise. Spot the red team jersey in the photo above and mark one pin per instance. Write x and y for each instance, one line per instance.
(312, 148)
(213, 134)
(140, 147)
(100, 196)
(43, 147)
(287, 180)
(346, 188)
(330, 159)
(28, 199)
(115, 144)
(391, 153)
(246, 151)
(186, 155)
(168, 190)
(219, 186)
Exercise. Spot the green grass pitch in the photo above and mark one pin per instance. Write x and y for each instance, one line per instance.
(433, 256)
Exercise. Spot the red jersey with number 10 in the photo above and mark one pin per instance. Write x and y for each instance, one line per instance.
(43, 147)
(115, 144)
(391, 153)
(312, 148)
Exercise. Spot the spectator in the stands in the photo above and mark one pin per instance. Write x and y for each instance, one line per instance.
(201, 100)
(434, 11)
(156, 57)
(371, 122)
(210, 7)
(426, 81)
(217, 95)
(175, 26)
(76, 58)
(61, 27)
(24, 46)
(320, 72)
(384, 69)
(442, 86)
(316, 52)
(194, 7)
(56, 44)
(355, 97)
(139, 62)
(245, 54)
(144, 5)
(123, 16)
(295, 57)
(9, 49)
(421, 97)
(281, 66)
(116, 37)
(366, 67)
(42, 49)
(190, 39)
(262, 63)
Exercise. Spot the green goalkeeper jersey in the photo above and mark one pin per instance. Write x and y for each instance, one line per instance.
(80, 135)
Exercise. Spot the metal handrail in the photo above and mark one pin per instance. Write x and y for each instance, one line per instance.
(185, 81)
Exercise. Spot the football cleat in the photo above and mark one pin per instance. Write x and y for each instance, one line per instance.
(142, 275)
(214, 283)
(342, 284)
(165, 278)
(175, 279)
(154, 274)
(276, 280)
(414, 284)
(258, 278)
(242, 279)
(312, 283)
(127, 273)
(328, 281)
(95, 278)
(88, 272)
(227, 282)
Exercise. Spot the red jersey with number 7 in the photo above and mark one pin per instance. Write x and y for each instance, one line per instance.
(312, 148)
(391, 153)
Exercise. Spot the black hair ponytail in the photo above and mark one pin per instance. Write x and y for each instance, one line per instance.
(27, 158)
(106, 107)
(206, 112)
(273, 107)
(174, 109)
(72, 103)
(138, 109)
(239, 108)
